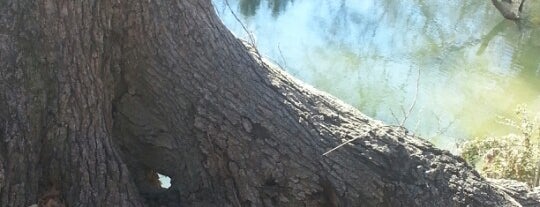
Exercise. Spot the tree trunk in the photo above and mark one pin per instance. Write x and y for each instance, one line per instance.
(98, 96)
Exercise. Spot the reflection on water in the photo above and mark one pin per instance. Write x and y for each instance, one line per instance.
(249, 7)
(473, 65)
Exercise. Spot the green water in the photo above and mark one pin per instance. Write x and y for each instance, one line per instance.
(472, 64)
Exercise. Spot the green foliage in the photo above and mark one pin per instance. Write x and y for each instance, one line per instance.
(513, 156)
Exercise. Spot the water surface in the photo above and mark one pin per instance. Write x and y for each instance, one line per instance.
(470, 65)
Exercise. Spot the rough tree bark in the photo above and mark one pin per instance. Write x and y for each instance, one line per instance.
(97, 94)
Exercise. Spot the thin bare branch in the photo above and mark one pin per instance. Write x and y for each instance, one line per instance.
(282, 57)
(408, 112)
(353, 139)
(394, 116)
(344, 143)
(250, 34)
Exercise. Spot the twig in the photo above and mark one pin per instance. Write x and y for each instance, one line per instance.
(441, 130)
(365, 134)
(394, 116)
(417, 125)
(407, 113)
(250, 34)
(346, 142)
(282, 57)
